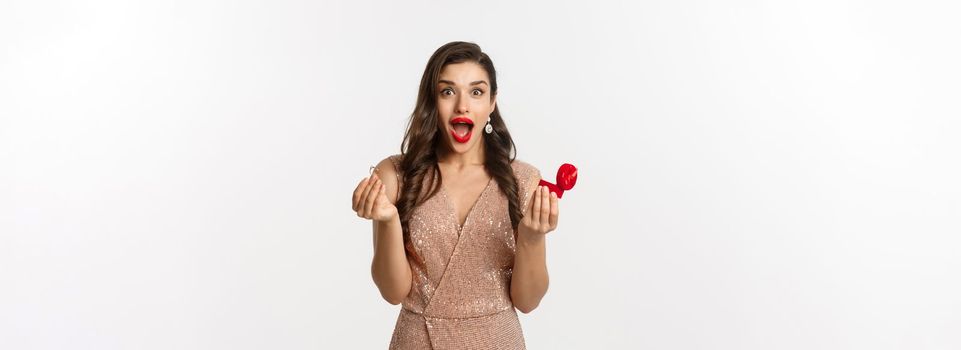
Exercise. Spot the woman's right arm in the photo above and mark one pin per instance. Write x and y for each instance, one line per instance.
(374, 199)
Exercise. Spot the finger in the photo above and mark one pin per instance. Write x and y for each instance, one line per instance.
(536, 210)
(530, 210)
(368, 199)
(554, 211)
(363, 196)
(358, 193)
(382, 194)
(371, 199)
(375, 196)
(545, 207)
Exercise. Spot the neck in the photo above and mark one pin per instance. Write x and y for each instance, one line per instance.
(473, 157)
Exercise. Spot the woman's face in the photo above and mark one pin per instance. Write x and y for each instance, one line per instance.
(464, 103)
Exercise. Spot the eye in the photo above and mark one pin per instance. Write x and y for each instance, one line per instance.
(447, 92)
(477, 92)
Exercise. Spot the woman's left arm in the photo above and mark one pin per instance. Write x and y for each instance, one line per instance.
(529, 279)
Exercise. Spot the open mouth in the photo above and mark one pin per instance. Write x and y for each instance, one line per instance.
(461, 129)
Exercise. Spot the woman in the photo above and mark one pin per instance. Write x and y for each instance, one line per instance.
(459, 225)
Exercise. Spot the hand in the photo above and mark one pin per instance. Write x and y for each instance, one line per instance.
(541, 217)
(370, 200)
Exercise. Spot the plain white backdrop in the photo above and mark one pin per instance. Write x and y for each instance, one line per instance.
(753, 174)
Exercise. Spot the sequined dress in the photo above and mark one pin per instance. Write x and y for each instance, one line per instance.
(460, 293)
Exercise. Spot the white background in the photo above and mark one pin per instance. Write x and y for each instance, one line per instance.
(753, 175)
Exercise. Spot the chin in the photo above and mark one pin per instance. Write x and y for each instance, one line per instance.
(457, 147)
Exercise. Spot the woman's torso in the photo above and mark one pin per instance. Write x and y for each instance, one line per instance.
(463, 272)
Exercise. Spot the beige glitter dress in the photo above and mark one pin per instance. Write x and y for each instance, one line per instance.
(460, 295)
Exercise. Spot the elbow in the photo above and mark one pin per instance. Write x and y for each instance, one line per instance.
(525, 308)
(393, 292)
(393, 300)
(394, 297)
(527, 302)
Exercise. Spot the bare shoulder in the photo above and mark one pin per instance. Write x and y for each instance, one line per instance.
(388, 172)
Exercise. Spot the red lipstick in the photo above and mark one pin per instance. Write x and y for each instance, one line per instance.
(461, 123)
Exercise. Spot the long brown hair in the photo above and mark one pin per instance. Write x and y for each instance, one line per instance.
(423, 139)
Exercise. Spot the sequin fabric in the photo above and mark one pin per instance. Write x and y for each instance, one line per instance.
(460, 293)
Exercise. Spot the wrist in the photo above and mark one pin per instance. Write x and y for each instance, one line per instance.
(527, 238)
(388, 219)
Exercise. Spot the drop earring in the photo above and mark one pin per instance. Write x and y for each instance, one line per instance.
(488, 128)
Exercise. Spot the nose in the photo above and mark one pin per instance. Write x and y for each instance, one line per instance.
(462, 105)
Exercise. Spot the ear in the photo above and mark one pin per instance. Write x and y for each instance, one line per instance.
(493, 102)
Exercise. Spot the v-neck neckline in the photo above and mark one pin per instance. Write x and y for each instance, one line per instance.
(453, 211)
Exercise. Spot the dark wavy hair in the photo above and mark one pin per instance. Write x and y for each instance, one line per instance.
(423, 140)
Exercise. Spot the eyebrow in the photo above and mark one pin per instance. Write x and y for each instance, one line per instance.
(452, 83)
